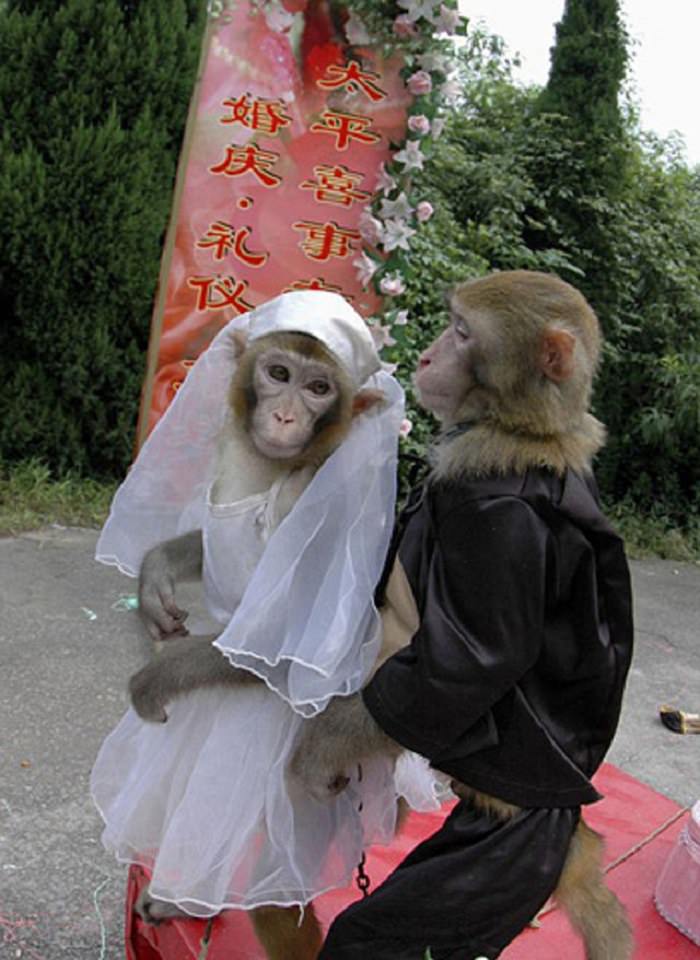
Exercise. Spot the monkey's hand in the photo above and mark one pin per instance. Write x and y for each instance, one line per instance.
(185, 664)
(333, 742)
(162, 567)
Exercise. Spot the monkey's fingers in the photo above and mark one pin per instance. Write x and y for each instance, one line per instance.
(337, 784)
(161, 623)
(145, 699)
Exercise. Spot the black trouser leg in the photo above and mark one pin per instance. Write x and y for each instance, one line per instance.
(466, 892)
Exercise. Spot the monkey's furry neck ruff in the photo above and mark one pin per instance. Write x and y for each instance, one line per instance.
(478, 449)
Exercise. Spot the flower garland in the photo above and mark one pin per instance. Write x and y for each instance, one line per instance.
(421, 31)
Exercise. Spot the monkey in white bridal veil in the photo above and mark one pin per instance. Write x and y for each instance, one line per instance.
(272, 476)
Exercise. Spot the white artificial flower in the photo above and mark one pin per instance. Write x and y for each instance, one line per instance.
(411, 156)
(450, 91)
(365, 268)
(401, 319)
(278, 19)
(356, 31)
(437, 126)
(370, 228)
(433, 61)
(396, 208)
(447, 21)
(405, 428)
(397, 233)
(382, 336)
(415, 9)
(385, 182)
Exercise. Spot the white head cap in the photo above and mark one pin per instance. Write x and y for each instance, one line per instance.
(329, 318)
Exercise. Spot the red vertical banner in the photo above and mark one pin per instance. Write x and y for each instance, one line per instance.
(288, 129)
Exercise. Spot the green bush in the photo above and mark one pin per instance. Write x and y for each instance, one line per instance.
(94, 100)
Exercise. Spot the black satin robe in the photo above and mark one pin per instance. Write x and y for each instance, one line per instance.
(512, 685)
(514, 680)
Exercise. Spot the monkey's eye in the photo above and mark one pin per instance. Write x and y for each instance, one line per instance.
(319, 388)
(278, 372)
(461, 331)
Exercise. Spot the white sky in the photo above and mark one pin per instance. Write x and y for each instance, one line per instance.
(665, 67)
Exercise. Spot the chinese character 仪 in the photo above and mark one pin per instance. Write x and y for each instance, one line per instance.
(223, 237)
(345, 127)
(249, 159)
(260, 114)
(352, 78)
(336, 185)
(326, 240)
(227, 289)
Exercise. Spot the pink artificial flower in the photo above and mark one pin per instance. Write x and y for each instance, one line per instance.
(405, 428)
(419, 83)
(392, 286)
(424, 211)
(404, 28)
(419, 124)
(447, 21)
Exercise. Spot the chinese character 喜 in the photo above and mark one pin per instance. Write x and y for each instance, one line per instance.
(336, 185)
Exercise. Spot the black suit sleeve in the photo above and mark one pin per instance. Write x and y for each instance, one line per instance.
(481, 624)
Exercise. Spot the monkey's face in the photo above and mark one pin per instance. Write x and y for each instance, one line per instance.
(295, 396)
(445, 378)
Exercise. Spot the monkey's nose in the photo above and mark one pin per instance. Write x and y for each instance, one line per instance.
(283, 418)
(423, 362)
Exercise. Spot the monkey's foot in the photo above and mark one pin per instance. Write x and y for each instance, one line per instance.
(155, 912)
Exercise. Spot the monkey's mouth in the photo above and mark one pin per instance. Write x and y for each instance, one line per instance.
(277, 449)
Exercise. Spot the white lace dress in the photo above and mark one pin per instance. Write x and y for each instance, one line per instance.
(204, 801)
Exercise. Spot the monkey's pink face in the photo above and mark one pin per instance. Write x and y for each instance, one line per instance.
(293, 393)
(444, 375)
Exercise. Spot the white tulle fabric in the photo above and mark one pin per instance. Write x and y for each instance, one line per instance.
(204, 801)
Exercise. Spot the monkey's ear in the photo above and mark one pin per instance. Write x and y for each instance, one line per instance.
(240, 342)
(364, 400)
(557, 354)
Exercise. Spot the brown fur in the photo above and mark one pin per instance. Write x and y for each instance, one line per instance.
(285, 935)
(332, 429)
(594, 911)
(521, 417)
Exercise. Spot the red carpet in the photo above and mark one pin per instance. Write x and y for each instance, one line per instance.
(640, 827)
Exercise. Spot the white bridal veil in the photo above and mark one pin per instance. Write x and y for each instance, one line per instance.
(306, 623)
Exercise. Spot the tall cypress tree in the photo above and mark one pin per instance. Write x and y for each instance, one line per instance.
(94, 99)
(588, 68)
(582, 173)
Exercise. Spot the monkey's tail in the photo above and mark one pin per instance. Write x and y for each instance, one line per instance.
(594, 911)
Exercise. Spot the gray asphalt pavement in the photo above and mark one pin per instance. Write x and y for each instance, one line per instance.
(67, 644)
